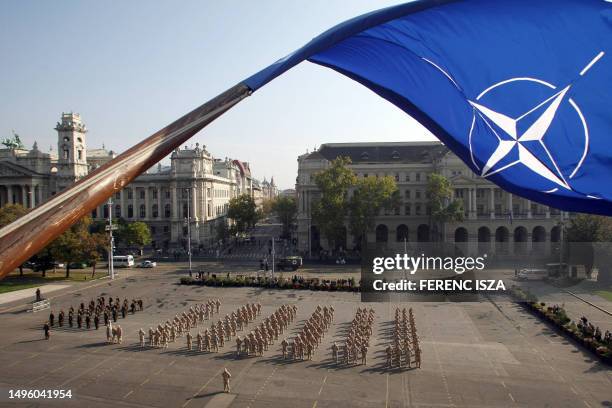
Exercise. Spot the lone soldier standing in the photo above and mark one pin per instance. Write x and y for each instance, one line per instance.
(334, 348)
(60, 318)
(97, 321)
(38, 296)
(226, 380)
(46, 329)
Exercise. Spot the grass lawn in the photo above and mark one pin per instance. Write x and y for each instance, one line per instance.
(30, 279)
(606, 294)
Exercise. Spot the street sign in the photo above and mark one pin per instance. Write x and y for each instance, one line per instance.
(114, 227)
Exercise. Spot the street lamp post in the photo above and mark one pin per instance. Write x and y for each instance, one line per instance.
(189, 229)
(109, 228)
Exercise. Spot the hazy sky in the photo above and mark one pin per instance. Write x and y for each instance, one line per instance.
(131, 67)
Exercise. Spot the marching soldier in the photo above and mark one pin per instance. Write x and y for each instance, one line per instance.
(284, 345)
(60, 318)
(97, 321)
(364, 354)
(189, 340)
(109, 333)
(334, 349)
(51, 319)
(238, 344)
(47, 330)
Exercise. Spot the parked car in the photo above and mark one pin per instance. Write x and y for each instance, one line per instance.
(289, 262)
(77, 265)
(147, 264)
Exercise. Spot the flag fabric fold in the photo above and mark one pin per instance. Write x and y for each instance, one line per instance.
(519, 90)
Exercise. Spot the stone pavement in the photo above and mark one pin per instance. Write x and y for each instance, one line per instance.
(479, 354)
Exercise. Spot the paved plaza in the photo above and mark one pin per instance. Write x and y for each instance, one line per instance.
(481, 354)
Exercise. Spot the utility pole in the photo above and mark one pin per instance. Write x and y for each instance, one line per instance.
(273, 256)
(189, 229)
(110, 228)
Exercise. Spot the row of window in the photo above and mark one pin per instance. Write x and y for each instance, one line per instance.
(142, 213)
(184, 193)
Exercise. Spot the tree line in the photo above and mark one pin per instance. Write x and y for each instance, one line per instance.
(86, 242)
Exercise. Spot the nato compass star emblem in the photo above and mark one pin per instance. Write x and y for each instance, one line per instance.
(520, 139)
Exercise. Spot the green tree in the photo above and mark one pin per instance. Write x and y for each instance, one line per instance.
(589, 228)
(134, 234)
(243, 211)
(70, 245)
(370, 196)
(331, 209)
(441, 205)
(286, 210)
(222, 230)
(94, 248)
(10, 213)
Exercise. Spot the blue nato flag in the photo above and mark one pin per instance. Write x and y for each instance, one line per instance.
(520, 90)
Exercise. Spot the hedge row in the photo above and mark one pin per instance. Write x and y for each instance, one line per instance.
(340, 285)
(557, 317)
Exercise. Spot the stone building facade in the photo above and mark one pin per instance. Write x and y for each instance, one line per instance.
(495, 221)
(195, 184)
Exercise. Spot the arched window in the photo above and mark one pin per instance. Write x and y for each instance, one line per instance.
(423, 233)
(461, 235)
(167, 211)
(117, 211)
(401, 233)
(155, 210)
(382, 233)
(143, 211)
(130, 213)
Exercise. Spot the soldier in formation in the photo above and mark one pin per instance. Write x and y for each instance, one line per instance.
(268, 331)
(404, 349)
(357, 341)
(224, 329)
(311, 335)
(168, 331)
(100, 307)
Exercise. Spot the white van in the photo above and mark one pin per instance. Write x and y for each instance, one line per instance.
(123, 261)
(532, 274)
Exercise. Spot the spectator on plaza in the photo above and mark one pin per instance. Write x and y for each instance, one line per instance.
(38, 295)
(47, 330)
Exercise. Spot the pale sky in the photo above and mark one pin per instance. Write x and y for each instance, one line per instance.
(131, 67)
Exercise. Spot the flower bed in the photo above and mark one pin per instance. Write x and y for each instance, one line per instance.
(295, 283)
(557, 317)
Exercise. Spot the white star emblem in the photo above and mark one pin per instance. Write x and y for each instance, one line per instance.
(512, 140)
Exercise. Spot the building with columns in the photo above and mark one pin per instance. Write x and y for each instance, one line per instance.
(495, 221)
(196, 186)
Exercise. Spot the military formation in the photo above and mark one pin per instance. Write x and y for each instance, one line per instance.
(309, 338)
(264, 335)
(168, 331)
(357, 340)
(224, 329)
(101, 310)
(404, 350)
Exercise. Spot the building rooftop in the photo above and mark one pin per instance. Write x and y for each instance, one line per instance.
(400, 152)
